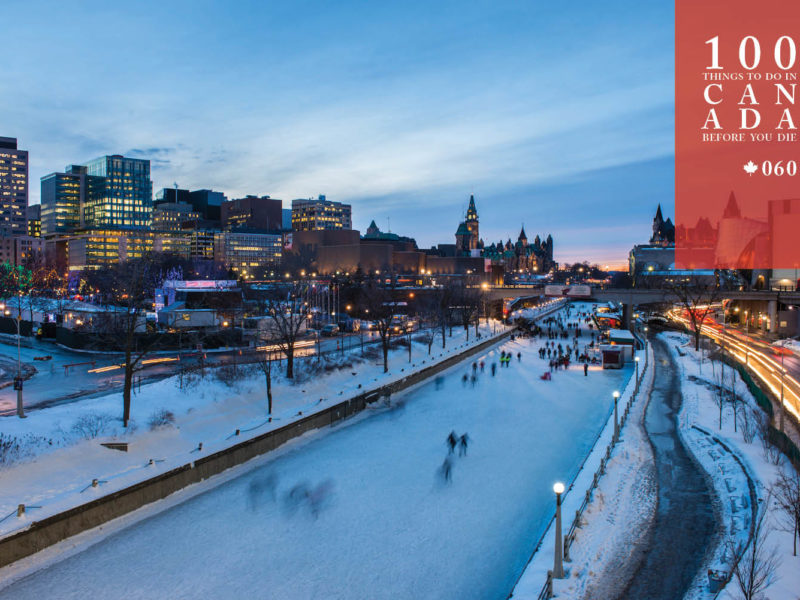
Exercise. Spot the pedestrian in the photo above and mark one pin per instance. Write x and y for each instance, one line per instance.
(519, 356)
(452, 440)
(474, 367)
(585, 369)
(482, 365)
(462, 445)
(494, 368)
(464, 379)
(473, 379)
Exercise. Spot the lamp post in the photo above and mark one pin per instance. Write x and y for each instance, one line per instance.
(636, 360)
(783, 409)
(616, 420)
(18, 379)
(558, 559)
(646, 340)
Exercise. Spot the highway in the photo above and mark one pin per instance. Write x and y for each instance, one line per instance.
(762, 358)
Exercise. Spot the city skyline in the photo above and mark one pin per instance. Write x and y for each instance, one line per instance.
(380, 110)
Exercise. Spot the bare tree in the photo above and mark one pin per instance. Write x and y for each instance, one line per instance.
(787, 498)
(468, 302)
(264, 362)
(288, 314)
(379, 304)
(696, 294)
(127, 290)
(756, 564)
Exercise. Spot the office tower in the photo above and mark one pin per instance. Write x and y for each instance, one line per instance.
(312, 215)
(13, 187)
(34, 217)
(252, 212)
(126, 198)
(208, 203)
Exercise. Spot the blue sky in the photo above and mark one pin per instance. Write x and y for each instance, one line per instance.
(558, 115)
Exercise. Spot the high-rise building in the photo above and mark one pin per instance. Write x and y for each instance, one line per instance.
(248, 254)
(13, 187)
(208, 203)
(63, 197)
(311, 215)
(108, 192)
(125, 200)
(174, 216)
(172, 195)
(252, 212)
(34, 216)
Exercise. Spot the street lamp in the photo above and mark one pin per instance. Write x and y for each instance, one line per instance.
(636, 360)
(616, 421)
(558, 565)
(783, 409)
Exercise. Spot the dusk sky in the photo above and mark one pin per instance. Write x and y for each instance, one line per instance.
(558, 115)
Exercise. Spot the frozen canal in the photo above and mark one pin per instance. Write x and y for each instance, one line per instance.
(390, 528)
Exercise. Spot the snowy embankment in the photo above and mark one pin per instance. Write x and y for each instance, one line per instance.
(585, 557)
(57, 452)
(741, 465)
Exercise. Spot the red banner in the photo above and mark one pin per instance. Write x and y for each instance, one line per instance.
(737, 155)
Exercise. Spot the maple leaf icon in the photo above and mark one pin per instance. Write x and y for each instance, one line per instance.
(750, 167)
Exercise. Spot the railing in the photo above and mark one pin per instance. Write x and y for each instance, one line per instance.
(569, 538)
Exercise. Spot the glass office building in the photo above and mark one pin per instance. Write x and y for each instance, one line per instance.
(126, 198)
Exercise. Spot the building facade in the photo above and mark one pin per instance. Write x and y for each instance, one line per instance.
(252, 212)
(313, 215)
(248, 254)
(34, 217)
(125, 198)
(173, 216)
(13, 188)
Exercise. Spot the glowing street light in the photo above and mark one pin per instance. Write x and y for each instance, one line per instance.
(616, 420)
(558, 564)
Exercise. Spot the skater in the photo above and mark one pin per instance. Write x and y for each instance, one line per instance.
(473, 379)
(463, 441)
(494, 368)
(452, 440)
(447, 469)
(464, 379)
(482, 366)
(474, 367)
(519, 356)
(585, 369)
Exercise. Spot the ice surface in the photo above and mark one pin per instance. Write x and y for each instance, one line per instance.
(390, 528)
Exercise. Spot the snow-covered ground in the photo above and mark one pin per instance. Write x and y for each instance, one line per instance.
(389, 526)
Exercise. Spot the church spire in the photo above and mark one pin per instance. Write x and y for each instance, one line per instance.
(732, 209)
(472, 212)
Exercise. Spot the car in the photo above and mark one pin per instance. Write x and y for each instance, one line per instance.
(786, 347)
(330, 330)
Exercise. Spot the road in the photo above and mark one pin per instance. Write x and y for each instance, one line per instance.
(54, 382)
(751, 349)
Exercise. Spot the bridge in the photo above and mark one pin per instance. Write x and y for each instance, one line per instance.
(765, 301)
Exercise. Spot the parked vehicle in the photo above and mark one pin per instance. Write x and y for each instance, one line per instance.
(330, 330)
(398, 323)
